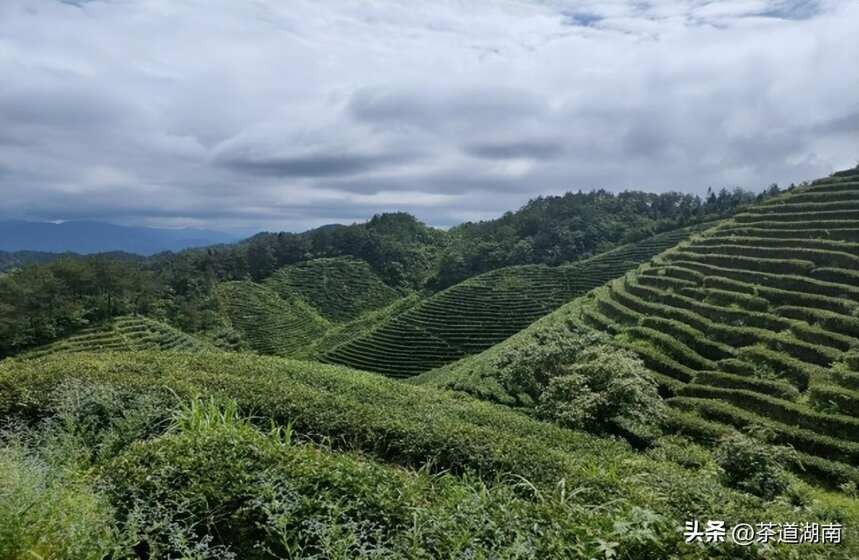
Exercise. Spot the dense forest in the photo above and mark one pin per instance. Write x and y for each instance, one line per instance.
(42, 301)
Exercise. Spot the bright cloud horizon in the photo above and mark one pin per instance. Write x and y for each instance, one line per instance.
(270, 115)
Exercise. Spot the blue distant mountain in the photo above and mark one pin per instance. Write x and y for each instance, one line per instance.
(87, 237)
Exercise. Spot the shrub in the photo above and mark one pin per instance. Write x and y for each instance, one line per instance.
(792, 414)
(671, 374)
(691, 337)
(605, 388)
(752, 466)
(840, 324)
(800, 439)
(102, 419)
(834, 399)
(253, 495)
(843, 373)
(777, 389)
(528, 369)
(681, 451)
(49, 514)
(671, 346)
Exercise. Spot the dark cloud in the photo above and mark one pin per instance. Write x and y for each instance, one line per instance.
(844, 124)
(534, 149)
(793, 9)
(581, 19)
(58, 102)
(316, 165)
(435, 108)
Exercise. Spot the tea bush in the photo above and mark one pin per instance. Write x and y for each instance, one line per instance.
(752, 466)
(605, 387)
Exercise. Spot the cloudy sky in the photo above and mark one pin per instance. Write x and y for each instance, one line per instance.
(283, 115)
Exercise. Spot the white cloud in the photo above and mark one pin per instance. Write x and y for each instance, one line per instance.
(283, 115)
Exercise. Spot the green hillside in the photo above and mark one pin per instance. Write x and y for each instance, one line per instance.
(268, 323)
(482, 311)
(341, 463)
(124, 334)
(346, 332)
(754, 322)
(341, 289)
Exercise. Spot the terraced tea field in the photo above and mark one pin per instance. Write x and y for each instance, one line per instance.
(268, 323)
(756, 322)
(341, 289)
(345, 332)
(482, 311)
(129, 333)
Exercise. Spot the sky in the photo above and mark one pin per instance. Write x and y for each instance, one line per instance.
(249, 115)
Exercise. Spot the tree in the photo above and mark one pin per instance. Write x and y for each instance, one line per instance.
(261, 258)
(606, 388)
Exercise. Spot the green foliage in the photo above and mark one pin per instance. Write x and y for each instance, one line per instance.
(399, 248)
(528, 370)
(40, 303)
(262, 495)
(604, 388)
(480, 312)
(775, 388)
(752, 466)
(345, 332)
(104, 419)
(740, 326)
(341, 289)
(558, 229)
(269, 323)
(237, 468)
(682, 451)
(836, 454)
(50, 513)
(126, 333)
(400, 423)
(834, 399)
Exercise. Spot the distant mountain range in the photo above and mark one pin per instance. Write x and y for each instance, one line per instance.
(87, 237)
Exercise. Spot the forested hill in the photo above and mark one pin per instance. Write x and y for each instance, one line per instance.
(548, 230)
(16, 259)
(40, 303)
(557, 229)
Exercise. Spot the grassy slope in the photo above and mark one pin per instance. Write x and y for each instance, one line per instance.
(405, 425)
(482, 311)
(741, 326)
(340, 289)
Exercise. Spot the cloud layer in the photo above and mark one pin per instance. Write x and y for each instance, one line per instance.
(286, 115)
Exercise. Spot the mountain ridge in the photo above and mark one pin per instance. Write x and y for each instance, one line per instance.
(88, 237)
